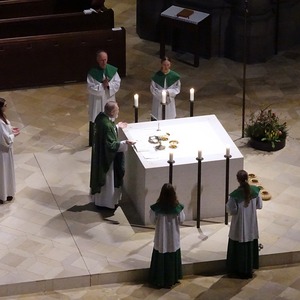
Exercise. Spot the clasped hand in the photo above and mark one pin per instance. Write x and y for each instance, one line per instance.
(15, 131)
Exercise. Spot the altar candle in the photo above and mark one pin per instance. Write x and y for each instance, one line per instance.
(136, 100)
(199, 154)
(164, 97)
(227, 150)
(192, 92)
(171, 156)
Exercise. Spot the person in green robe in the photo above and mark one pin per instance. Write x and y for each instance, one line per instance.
(164, 80)
(243, 247)
(107, 163)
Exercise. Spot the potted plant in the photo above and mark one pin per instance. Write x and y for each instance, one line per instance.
(265, 130)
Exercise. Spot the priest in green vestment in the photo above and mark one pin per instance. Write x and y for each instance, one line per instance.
(107, 165)
(103, 82)
(164, 80)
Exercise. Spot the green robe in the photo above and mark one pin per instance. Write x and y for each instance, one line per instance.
(104, 153)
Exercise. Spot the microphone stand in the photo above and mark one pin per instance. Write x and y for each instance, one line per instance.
(244, 67)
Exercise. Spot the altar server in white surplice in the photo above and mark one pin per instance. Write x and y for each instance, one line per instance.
(103, 82)
(7, 170)
(168, 80)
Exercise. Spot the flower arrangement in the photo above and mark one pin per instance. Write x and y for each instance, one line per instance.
(265, 126)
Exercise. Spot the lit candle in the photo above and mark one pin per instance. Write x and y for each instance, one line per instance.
(199, 154)
(171, 156)
(136, 100)
(227, 150)
(192, 92)
(164, 97)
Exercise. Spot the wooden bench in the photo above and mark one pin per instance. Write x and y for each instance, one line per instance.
(55, 23)
(58, 58)
(23, 8)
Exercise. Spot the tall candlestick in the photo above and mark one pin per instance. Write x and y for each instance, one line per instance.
(199, 154)
(192, 92)
(136, 100)
(171, 156)
(164, 97)
(227, 150)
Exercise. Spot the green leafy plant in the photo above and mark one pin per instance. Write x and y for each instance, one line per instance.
(265, 126)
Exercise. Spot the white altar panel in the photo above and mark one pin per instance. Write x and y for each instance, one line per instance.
(147, 169)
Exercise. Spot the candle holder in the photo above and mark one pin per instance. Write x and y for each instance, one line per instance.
(191, 108)
(227, 184)
(163, 107)
(199, 190)
(171, 162)
(136, 114)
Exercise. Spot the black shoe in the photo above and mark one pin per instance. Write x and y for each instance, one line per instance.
(1, 201)
(9, 198)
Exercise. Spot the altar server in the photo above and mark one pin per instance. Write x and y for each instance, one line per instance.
(107, 168)
(167, 214)
(242, 252)
(168, 80)
(103, 82)
(7, 170)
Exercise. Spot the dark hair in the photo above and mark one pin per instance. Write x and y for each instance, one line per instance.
(164, 59)
(2, 114)
(242, 178)
(167, 198)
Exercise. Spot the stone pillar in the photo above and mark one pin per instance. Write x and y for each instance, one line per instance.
(260, 31)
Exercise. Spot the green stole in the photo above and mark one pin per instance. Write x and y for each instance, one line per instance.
(239, 194)
(171, 211)
(109, 72)
(171, 77)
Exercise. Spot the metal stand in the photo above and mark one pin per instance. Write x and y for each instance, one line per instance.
(136, 114)
(191, 108)
(227, 185)
(163, 106)
(199, 190)
(244, 68)
(171, 170)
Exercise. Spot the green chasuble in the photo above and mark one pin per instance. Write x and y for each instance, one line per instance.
(171, 77)
(239, 195)
(104, 153)
(109, 72)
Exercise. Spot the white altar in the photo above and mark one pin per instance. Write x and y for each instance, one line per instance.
(147, 169)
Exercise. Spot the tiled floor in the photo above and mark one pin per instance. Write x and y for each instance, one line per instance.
(52, 238)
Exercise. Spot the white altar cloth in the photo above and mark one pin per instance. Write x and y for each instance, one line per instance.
(147, 169)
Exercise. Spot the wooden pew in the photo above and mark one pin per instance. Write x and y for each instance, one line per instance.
(55, 23)
(23, 8)
(58, 58)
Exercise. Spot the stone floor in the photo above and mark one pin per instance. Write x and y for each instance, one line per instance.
(53, 239)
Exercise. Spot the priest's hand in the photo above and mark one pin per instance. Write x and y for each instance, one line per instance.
(105, 83)
(130, 143)
(122, 125)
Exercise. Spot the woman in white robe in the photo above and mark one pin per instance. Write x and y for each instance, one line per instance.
(243, 247)
(164, 80)
(167, 214)
(7, 171)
